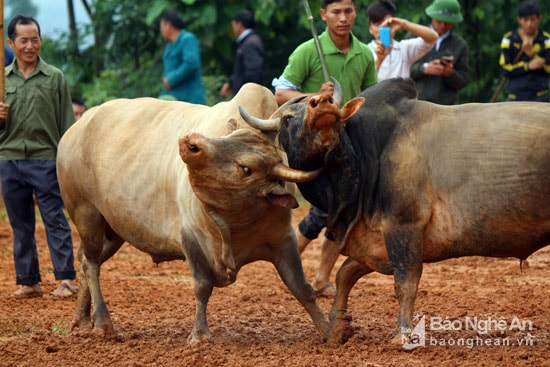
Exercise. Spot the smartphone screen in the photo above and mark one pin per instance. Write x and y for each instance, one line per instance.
(384, 34)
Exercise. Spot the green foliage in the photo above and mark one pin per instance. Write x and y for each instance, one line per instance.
(14, 7)
(125, 59)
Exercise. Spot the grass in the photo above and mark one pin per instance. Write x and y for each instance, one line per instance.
(3, 214)
(24, 330)
(60, 327)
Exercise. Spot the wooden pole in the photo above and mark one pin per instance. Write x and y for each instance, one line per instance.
(316, 40)
(499, 88)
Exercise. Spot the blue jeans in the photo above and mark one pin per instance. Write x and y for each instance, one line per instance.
(313, 223)
(20, 180)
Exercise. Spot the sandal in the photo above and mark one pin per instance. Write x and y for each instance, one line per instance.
(27, 291)
(63, 291)
(328, 290)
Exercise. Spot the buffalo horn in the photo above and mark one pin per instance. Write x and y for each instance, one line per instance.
(260, 124)
(273, 123)
(293, 175)
(337, 95)
(291, 101)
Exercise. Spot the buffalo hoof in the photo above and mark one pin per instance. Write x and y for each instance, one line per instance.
(195, 339)
(342, 330)
(398, 339)
(104, 327)
(403, 339)
(81, 323)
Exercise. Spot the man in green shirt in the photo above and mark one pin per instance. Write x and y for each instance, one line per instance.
(349, 61)
(37, 112)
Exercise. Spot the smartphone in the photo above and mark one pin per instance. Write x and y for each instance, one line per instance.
(446, 59)
(385, 36)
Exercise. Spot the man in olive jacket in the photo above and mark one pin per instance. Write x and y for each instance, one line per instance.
(36, 114)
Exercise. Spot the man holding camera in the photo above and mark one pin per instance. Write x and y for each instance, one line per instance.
(443, 71)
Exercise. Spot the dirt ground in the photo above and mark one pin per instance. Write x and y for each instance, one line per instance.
(257, 322)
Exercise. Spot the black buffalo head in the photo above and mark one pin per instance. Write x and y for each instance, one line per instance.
(307, 129)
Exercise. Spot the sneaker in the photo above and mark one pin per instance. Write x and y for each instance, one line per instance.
(27, 291)
(66, 289)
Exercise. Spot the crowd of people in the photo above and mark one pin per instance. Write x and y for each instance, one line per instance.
(432, 55)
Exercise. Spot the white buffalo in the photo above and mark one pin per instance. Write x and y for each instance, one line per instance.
(123, 178)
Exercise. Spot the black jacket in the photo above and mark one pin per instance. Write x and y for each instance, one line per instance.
(525, 84)
(437, 88)
(249, 62)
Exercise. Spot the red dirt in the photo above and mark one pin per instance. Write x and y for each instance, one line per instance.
(257, 322)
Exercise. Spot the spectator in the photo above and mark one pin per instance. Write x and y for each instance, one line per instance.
(351, 62)
(31, 124)
(396, 60)
(79, 107)
(182, 78)
(249, 58)
(443, 71)
(525, 57)
(8, 56)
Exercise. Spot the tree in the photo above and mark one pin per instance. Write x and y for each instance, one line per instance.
(16, 7)
(125, 59)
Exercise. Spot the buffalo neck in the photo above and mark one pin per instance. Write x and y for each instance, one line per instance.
(336, 191)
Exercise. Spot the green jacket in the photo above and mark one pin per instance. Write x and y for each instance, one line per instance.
(40, 113)
(355, 71)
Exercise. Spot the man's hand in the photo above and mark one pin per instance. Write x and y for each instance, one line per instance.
(327, 87)
(165, 83)
(3, 113)
(439, 67)
(381, 53)
(226, 90)
(536, 63)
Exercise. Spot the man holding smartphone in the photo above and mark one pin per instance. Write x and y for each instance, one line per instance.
(443, 71)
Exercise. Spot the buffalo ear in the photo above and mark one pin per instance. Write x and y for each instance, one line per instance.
(351, 108)
(231, 126)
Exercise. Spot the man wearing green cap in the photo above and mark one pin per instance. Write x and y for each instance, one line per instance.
(443, 71)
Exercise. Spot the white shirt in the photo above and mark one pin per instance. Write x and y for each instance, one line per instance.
(243, 35)
(403, 54)
(441, 38)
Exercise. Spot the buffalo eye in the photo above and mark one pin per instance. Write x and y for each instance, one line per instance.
(285, 120)
(247, 171)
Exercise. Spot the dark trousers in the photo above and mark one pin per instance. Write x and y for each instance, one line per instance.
(313, 223)
(20, 180)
